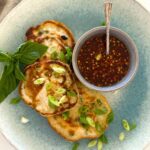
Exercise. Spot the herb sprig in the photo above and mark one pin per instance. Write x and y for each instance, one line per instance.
(27, 53)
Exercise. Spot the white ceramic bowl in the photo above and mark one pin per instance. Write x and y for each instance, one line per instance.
(122, 36)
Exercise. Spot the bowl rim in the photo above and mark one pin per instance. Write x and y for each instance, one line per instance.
(116, 86)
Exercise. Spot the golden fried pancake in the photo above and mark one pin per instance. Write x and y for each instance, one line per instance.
(49, 87)
(53, 29)
(88, 119)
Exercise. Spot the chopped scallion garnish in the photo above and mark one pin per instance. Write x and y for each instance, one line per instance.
(121, 136)
(92, 143)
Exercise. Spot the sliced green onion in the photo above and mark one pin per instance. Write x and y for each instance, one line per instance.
(83, 109)
(100, 111)
(75, 146)
(62, 56)
(53, 101)
(99, 101)
(83, 119)
(125, 125)
(90, 121)
(39, 81)
(61, 91)
(65, 115)
(63, 99)
(58, 69)
(92, 143)
(54, 55)
(99, 145)
(110, 117)
(132, 126)
(71, 93)
(121, 136)
(98, 127)
(48, 86)
(104, 139)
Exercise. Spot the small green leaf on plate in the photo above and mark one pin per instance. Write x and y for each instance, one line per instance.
(121, 136)
(5, 57)
(75, 146)
(92, 143)
(100, 111)
(15, 100)
(104, 139)
(18, 73)
(61, 56)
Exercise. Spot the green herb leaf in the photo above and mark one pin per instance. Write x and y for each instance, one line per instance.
(92, 143)
(65, 115)
(121, 136)
(104, 139)
(110, 117)
(75, 146)
(61, 91)
(125, 125)
(15, 100)
(68, 55)
(18, 73)
(8, 83)
(5, 57)
(9, 68)
(99, 145)
(103, 23)
(71, 93)
(29, 52)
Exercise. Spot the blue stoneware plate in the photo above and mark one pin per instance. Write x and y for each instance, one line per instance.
(131, 102)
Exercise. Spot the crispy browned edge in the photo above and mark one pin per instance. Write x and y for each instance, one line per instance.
(49, 61)
(82, 137)
(29, 33)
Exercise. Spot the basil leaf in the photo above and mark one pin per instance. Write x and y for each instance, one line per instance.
(8, 83)
(30, 52)
(19, 75)
(15, 100)
(4, 57)
(9, 68)
(75, 146)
